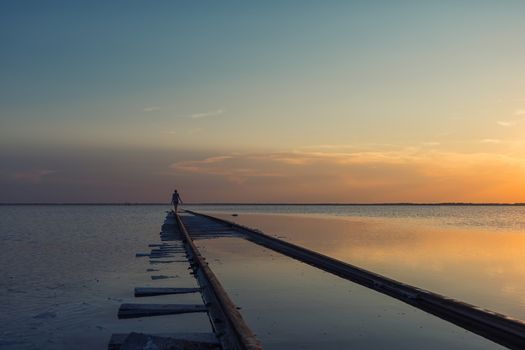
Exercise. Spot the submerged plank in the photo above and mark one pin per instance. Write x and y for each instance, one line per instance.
(204, 340)
(166, 261)
(162, 277)
(157, 252)
(152, 291)
(167, 248)
(145, 310)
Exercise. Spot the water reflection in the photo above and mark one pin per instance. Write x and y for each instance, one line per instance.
(478, 266)
(291, 305)
(493, 217)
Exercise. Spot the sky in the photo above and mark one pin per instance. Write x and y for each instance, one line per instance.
(281, 102)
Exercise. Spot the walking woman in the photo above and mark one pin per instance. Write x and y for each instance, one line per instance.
(175, 200)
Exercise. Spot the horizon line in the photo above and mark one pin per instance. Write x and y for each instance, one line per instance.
(270, 203)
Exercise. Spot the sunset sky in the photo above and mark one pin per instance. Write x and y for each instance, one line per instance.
(262, 101)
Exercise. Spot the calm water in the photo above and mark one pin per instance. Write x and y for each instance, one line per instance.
(292, 305)
(66, 269)
(475, 254)
(486, 217)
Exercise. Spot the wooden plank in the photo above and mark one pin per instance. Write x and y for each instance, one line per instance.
(117, 339)
(146, 310)
(164, 253)
(159, 249)
(227, 322)
(152, 291)
(166, 261)
(161, 277)
(167, 251)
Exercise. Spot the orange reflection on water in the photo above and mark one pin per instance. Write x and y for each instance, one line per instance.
(475, 265)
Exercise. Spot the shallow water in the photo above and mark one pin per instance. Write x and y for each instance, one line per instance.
(483, 217)
(65, 270)
(480, 266)
(291, 305)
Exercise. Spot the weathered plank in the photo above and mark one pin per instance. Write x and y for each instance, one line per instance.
(161, 277)
(163, 253)
(168, 249)
(198, 340)
(166, 261)
(152, 291)
(160, 256)
(224, 315)
(145, 310)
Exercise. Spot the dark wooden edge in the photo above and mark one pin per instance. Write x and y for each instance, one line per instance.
(117, 339)
(141, 292)
(240, 336)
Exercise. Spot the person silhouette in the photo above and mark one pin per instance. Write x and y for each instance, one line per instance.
(175, 200)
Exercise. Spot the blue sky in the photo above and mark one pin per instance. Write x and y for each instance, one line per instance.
(95, 82)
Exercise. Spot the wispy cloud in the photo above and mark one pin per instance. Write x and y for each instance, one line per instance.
(491, 141)
(32, 176)
(206, 114)
(330, 146)
(429, 175)
(515, 121)
(507, 123)
(347, 147)
(151, 109)
(237, 169)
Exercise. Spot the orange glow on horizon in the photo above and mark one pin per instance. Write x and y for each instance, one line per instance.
(400, 176)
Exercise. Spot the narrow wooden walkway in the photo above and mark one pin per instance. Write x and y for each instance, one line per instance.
(499, 328)
(228, 329)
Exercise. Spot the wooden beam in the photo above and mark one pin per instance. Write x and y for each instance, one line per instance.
(152, 291)
(205, 340)
(146, 310)
(224, 315)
